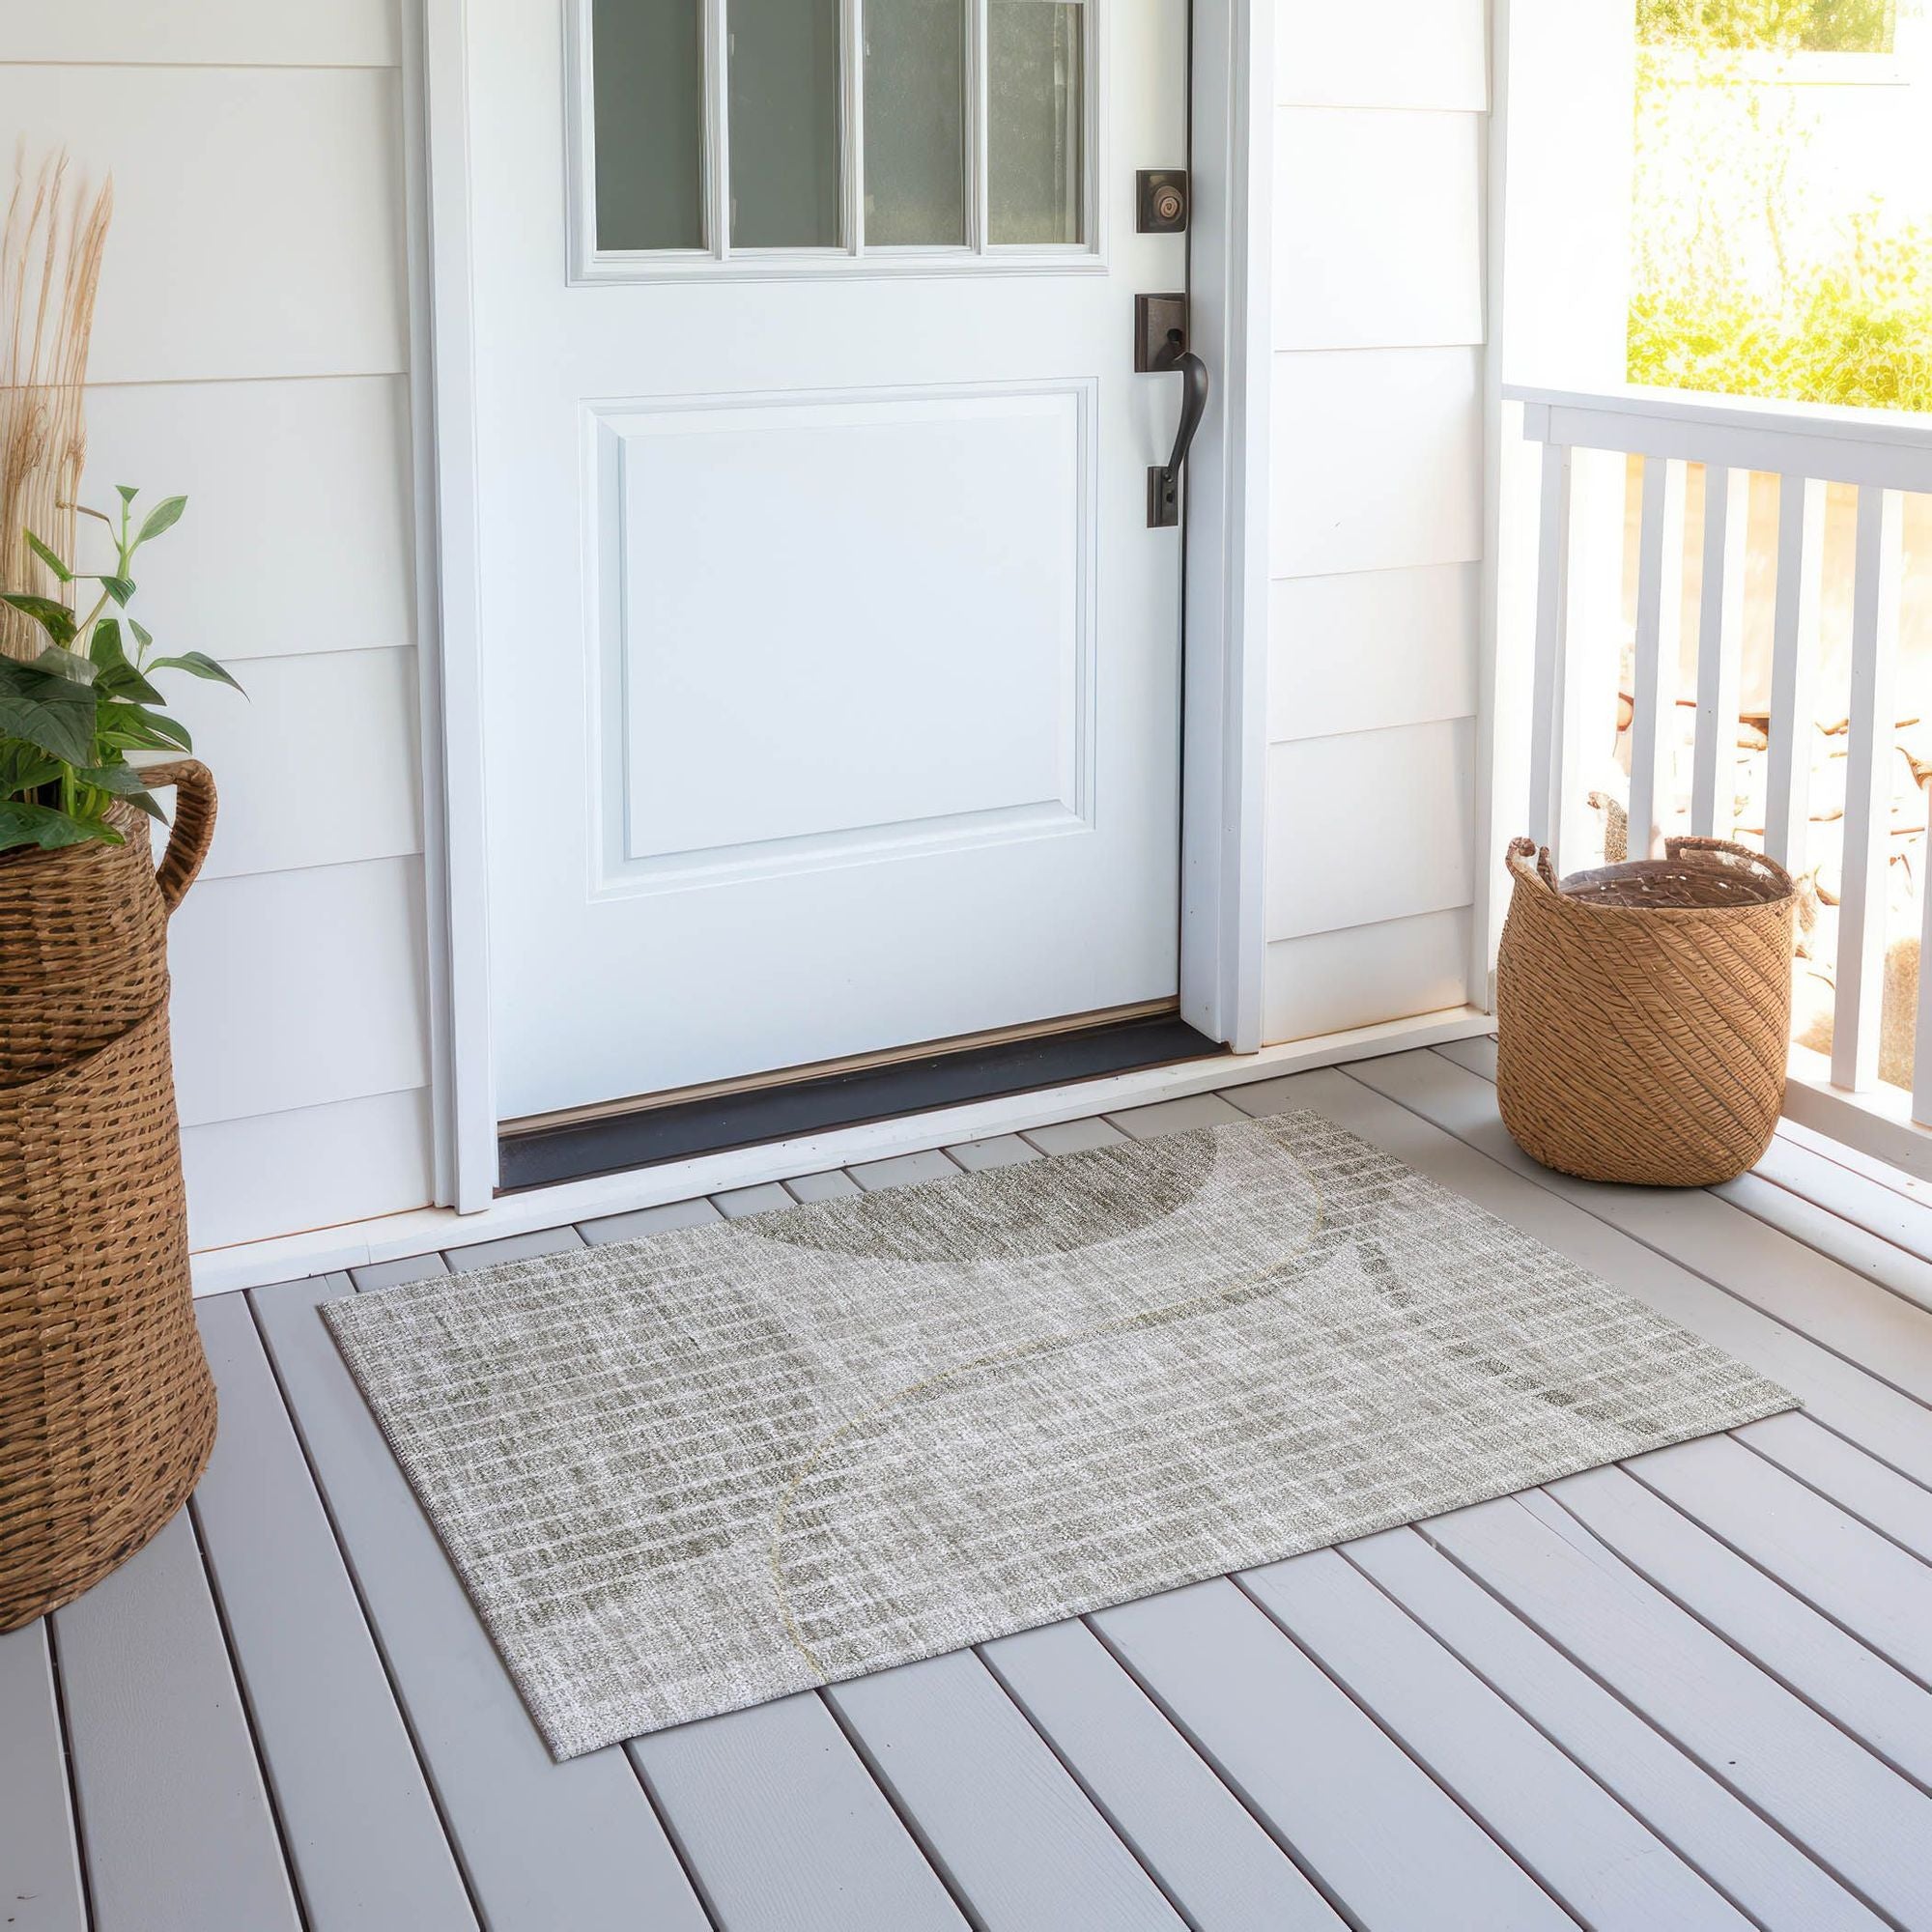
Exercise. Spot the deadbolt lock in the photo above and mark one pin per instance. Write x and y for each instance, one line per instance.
(1162, 200)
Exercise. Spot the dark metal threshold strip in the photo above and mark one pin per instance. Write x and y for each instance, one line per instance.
(542, 1156)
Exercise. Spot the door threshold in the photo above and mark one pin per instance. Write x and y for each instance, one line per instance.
(715, 1122)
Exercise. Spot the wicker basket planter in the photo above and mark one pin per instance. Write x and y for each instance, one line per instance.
(1644, 1013)
(106, 1405)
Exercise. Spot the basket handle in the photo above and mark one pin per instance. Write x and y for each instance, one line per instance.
(193, 827)
(1543, 872)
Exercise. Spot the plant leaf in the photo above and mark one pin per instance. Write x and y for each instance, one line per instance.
(143, 636)
(57, 660)
(123, 781)
(48, 557)
(120, 588)
(53, 714)
(41, 825)
(128, 727)
(198, 664)
(127, 492)
(164, 516)
(55, 619)
(119, 678)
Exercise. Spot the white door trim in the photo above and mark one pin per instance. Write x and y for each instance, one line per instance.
(1223, 947)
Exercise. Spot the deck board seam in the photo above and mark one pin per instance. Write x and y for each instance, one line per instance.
(1401, 1744)
(1276, 1836)
(1770, 1576)
(1804, 1481)
(1652, 1723)
(77, 1822)
(463, 1876)
(262, 1770)
(1086, 1791)
(1650, 1824)
(681, 1852)
(1898, 1248)
(948, 1882)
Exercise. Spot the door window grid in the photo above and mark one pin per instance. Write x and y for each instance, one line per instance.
(1047, 191)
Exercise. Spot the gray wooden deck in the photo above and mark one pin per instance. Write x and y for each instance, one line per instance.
(1688, 1693)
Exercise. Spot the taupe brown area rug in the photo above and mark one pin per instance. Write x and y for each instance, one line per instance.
(694, 1473)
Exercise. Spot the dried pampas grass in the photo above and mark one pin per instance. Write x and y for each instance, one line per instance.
(50, 251)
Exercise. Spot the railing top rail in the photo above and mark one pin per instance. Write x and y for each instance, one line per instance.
(1887, 447)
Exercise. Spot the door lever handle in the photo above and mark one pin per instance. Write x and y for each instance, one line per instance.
(1164, 481)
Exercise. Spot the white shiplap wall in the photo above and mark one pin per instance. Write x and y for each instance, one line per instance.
(1377, 496)
(252, 349)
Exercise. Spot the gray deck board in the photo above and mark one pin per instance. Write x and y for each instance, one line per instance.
(174, 1823)
(1000, 1817)
(785, 1827)
(333, 1744)
(39, 1857)
(1215, 1861)
(1860, 1580)
(1862, 1486)
(1748, 1860)
(643, 1222)
(1588, 1851)
(737, 1204)
(1393, 1848)
(903, 1169)
(544, 1845)
(1856, 1817)
(1686, 1693)
(1833, 1672)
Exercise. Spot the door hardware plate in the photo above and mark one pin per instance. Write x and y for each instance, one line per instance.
(1162, 198)
(1163, 498)
(1158, 320)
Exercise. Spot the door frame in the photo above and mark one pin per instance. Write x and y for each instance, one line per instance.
(1224, 699)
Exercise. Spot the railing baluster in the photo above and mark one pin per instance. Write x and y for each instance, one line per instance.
(1721, 627)
(1794, 653)
(1553, 623)
(1660, 605)
(1859, 1003)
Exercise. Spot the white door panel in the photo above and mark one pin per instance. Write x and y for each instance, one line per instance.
(833, 673)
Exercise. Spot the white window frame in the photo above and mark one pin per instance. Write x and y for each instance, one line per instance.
(720, 260)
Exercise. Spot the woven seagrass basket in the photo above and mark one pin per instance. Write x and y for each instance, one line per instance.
(1644, 1013)
(106, 1405)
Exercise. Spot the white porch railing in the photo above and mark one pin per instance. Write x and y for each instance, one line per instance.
(1744, 446)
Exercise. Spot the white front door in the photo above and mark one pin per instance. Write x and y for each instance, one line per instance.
(832, 669)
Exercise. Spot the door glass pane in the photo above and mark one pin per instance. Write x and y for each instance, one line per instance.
(915, 123)
(648, 104)
(1036, 107)
(784, 122)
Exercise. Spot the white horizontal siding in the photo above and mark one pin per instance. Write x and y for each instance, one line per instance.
(250, 350)
(1377, 459)
(1415, 628)
(1376, 491)
(258, 215)
(1397, 53)
(217, 33)
(315, 767)
(1327, 981)
(1370, 826)
(298, 989)
(281, 1174)
(297, 537)
(1410, 273)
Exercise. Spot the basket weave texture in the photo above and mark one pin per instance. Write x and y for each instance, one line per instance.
(106, 1405)
(1644, 1013)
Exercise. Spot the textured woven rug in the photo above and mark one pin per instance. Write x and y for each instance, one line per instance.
(694, 1473)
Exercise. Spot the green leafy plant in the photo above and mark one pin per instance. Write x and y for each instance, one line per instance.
(70, 714)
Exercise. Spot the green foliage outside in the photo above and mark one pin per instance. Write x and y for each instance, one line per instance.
(1743, 283)
(70, 716)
